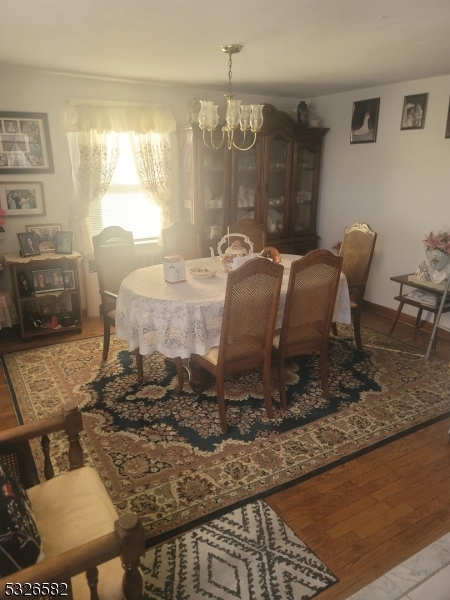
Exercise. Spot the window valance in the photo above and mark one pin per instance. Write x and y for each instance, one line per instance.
(102, 118)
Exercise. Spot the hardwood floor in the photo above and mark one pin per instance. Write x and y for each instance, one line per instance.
(361, 518)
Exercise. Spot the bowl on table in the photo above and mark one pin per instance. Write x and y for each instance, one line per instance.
(202, 272)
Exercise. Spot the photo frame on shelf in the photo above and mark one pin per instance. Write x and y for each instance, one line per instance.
(24, 285)
(69, 280)
(22, 198)
(28, 244)
(447, 129)
(364, 124)
(413, 113)
(63, 242)
(45, 234)
(48, 280)
(25, 143)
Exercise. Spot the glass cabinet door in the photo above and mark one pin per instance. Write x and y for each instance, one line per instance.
(277, 186)
(243, 201)
(214, 219)
(303, 194)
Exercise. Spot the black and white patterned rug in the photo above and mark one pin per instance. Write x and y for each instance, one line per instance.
(248, 554)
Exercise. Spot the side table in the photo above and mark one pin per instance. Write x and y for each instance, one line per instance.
(436, 307)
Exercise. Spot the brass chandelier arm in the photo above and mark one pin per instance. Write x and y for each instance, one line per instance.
(211, 145)
(243, 140)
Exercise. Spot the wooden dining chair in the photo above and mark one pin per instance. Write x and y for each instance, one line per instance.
(357, 251)
(183, 238)
(310, 299)
(115, 258)
(250, 311)
(253, 230)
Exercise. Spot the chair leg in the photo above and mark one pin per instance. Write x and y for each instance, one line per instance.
(221, 402)
(267, 391)
(334, 328)
(324, 373)
(282, 382)
(357, 328)
(180, 375)
(139, 365)
(106, 338)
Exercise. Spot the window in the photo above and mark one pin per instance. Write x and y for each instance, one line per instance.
(127, 203)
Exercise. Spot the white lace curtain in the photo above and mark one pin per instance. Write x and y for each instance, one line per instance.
(94, 148)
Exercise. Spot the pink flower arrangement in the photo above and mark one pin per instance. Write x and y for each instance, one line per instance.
(438, 241)
(2, 222)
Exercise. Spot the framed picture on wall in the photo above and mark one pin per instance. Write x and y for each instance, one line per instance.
(25, 143)
(22, 198)
(365, 121)
(45, 235)
(413, 115)
(447, 129)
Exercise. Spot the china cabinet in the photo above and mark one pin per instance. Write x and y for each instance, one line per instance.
(276, 182)
(55, 308)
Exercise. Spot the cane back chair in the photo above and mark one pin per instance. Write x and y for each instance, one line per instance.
(115, 258)
(253, 230)
(181, 237)
(308, 312)
(357, 251)
(250, 311)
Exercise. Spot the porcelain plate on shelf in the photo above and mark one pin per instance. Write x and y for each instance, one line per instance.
(203, 272)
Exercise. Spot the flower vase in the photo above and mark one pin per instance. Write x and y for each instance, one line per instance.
(438, 262)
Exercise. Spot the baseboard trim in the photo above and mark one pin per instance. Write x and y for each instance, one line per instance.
(404, 318)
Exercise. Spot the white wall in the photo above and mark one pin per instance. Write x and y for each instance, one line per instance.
(399, 185)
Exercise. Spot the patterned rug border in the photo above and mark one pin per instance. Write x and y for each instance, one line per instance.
(214, 514)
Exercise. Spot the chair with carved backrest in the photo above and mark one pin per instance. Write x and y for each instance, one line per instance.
(181, 238)
(253, 230)
(115, 258)
(357, 251)
(87, 548)
(310, 299)
(250, 310)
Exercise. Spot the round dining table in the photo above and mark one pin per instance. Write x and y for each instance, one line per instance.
(180, 319)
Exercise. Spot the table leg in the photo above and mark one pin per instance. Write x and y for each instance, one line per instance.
(179, 365)
(399, 310)
(419, 314)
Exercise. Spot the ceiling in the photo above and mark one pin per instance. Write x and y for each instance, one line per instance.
(292, 48)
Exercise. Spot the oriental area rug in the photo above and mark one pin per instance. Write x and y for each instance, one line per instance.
(165, 457)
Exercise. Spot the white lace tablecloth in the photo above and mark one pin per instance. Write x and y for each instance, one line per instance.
(179, 319)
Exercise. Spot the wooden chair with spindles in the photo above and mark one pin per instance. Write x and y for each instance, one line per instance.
(87, 548)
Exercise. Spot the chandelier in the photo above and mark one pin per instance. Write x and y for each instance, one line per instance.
(247, 117)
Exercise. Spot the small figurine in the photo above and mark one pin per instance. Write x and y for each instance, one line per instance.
(303, 114)
(422, 272)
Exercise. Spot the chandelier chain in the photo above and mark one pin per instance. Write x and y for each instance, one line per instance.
(230, 74)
